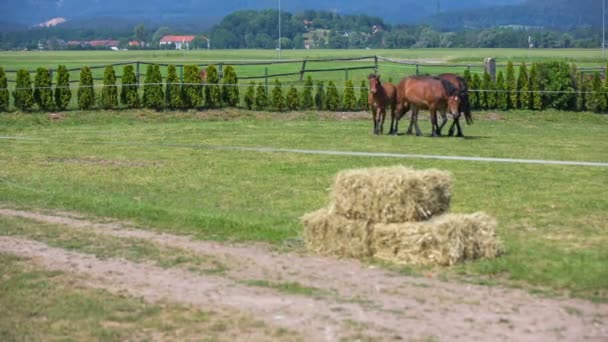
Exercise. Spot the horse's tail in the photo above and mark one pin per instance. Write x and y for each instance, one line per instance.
(464, 100)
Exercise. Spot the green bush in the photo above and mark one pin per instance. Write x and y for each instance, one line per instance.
(86, 93)
(320, 101)
(23, 94)
(597, 99)
(277, 100)
(109, 92)
(581, 89)
(558, 82)
(363, 94)
(128, 91)
(212, 90)
(523, 87)
(63, 94)
(173, 89)
(292, 100)
(511, 86)
(487, 96)
(349, 101)
(192, 90)
(501, 95)
(250, 95)
(4, 94)
(536, 97)
(154, 96)
(333, 97)
(230, 89)
(261, 97)
(475, 94)
(307, 100)
(43, 94)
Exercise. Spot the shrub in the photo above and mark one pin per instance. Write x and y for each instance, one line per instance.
(230, 89)
(597, 99)
(536, 97)
(250, 95)
(4, 95)
(487, 97)
(212, 90)
(557, 80)
(307, 100)
(261, 97)
(320, 101)
(350, 100)
(23, 95)
(192, 90)
(109, 92)
(333, 97)
(86, 93)
(501, 95)
(292, 100)
(523, 87)
(581, 89)
(43, 94)
(475, 86)
(63, 94)
(173, 89)
(363, 94)
(128, 92)
(153, 90)
(511, 86)
(277, 100)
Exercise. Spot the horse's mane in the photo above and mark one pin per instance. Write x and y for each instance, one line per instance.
(449, 87)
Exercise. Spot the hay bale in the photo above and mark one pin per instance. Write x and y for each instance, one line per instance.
(391, 194)
(330, 234)
(445, 240)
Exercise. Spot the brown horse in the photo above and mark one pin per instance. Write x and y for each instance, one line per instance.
(463, 93)
(381, 96)
(426, 92)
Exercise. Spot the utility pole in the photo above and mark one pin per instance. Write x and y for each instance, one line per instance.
(279, 29)
(604, 28)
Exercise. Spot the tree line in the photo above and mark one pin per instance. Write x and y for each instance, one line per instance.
(551, 85)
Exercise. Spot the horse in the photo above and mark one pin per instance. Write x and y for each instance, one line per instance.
(463, 93)
(426, 92)
(381, 95)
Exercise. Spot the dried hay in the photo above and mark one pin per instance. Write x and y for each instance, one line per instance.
(330, 234)
(444, 240)
(391, 194)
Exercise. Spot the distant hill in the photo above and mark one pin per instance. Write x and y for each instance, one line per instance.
(31, 12)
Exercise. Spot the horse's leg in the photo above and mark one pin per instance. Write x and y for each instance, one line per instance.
(418, 132)
(413, 118)
(444, 120)
(381, 119)
(459, 134)
(434, 127)
(374, 118)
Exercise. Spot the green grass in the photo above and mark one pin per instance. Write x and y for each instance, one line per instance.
(39, 305)
(152, 168)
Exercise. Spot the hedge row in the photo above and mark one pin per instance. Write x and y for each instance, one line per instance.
(555, 85)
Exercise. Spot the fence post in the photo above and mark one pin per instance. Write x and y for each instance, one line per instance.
(417, 69)
(266, 78)
(220, 69)
(490, 67)
(375, 64)
(303, 70)
(137, 71)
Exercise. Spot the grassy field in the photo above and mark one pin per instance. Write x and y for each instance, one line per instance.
(160, 170)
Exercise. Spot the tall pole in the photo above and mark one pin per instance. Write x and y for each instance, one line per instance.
(279, 29)
(604, 28)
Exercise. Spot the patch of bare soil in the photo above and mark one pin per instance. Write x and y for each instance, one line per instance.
(356, 299)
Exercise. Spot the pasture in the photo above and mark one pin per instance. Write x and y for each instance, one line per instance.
(165, 171)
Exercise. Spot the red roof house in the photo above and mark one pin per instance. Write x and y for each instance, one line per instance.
(181, 42)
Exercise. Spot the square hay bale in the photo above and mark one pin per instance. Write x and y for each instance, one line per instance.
(329, 234)
(391, 194)
(445, 240)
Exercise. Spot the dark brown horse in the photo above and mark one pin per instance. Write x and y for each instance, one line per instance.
(381, 95)
(426, 92)
(463, 93)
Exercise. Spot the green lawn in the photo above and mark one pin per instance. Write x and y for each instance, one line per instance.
(157, 169)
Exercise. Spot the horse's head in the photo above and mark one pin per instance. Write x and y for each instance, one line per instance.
(454, 105)
(374, 82)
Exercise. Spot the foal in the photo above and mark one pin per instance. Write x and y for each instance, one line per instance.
(381, 96)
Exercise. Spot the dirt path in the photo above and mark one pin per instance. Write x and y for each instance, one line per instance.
(378, 303)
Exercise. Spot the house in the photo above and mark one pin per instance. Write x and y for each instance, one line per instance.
(134, 43)
(181, 42)
(105, 43)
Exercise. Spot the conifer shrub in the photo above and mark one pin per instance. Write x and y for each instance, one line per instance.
(212, 90)
(173, 89)
(261, 97)
(109, 91)
(249, 97)
(349, 101)
(192, 90)
(307, 99)
(129, 96)
(501, 95)
(230, 89)
(63, 94)
(523, 87)
(277, 101)
(333, 97)
(511, 86)
(292, 100)
(86, 93)
(23, 94)
(4, 94)
(363, 104)
(43, 94)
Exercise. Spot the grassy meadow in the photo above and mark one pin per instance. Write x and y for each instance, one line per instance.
(161, 170)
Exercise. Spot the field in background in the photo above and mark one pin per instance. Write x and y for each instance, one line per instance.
(161, 171)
